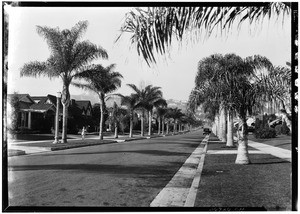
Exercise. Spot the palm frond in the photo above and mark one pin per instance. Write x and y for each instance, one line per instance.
(152, 30)
(35, 69)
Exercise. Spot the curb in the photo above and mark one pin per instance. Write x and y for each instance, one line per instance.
(86, 145)
(12, 152)
(79, 146)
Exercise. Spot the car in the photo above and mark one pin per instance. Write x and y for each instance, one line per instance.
(206, 131)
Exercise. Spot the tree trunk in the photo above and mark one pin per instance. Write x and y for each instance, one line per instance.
(174, 127)
(223, 125)
(167, 127)
(65, 123)
(242, 153)
(101, 96)
(65, 99)
(163, 126)
(229, 129)
(131, 124)
(116, 130)
(159, 125)
(150, 123)
(142, 123)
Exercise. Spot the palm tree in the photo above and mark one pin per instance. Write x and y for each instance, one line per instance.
(116, 117)
(146, 98)
(101, 80)
(168, 118)
(234, 83)
(131, 103)
(158, 103)
(160, 113)
(68, 57)
(153, 29)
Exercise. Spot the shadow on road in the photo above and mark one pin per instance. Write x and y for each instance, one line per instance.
(100, 168)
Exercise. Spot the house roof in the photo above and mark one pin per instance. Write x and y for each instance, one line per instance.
(43, 107)
(22, 97)
(83, 104)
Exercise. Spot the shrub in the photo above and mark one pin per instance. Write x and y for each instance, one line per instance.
(265, 132)
(278, 129)
(284, 129)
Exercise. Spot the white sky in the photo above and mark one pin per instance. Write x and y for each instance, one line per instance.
(176, 77)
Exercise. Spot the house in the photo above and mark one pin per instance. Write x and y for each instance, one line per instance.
(38, 112)
(85, 106)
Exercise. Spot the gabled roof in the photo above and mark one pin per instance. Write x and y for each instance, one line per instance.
(42, 107)
(22, 97)
(83, 104)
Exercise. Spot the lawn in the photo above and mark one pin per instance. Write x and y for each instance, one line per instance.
(281, 141)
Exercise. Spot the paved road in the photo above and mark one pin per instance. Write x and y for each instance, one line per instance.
(123, 174)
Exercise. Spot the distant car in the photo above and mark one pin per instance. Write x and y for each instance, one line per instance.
(206, 131)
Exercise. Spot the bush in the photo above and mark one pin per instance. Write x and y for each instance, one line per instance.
(265, 132)
(278, 129)
(284, 129)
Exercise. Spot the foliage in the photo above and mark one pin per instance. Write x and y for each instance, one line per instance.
(284, 129)
(15, 110)
(265, 132)
(68, 58)
(153, 29)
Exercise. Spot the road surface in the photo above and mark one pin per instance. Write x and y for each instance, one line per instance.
(128, 174)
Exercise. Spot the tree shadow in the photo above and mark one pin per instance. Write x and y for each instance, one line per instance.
(140, 170)
(146, 152)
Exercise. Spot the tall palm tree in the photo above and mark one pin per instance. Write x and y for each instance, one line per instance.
(68, 57)
(235, 83)
(131, 103)
(153, 29)
(101, 80)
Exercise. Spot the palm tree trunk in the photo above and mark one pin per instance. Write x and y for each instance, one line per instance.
(150, 122)
(229, 129)
(167, 127)
(174, 128)
(162, 125)
(116, 130)
(159, 125)
(65, 123)
(142, 124)
(131, 124)
(242, 153)
(65, 99)
(282, 105)
(101, 96)
(223, 125)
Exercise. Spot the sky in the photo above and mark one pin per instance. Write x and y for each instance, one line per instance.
(175, 75)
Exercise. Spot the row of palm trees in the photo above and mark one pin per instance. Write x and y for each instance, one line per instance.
(70, 59)
(228, 85)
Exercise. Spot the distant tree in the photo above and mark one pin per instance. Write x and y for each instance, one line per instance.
(131, 103)
(146, 98)
(116, 117)
(68, 57)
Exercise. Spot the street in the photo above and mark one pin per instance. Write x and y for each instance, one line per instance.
(128, 174)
